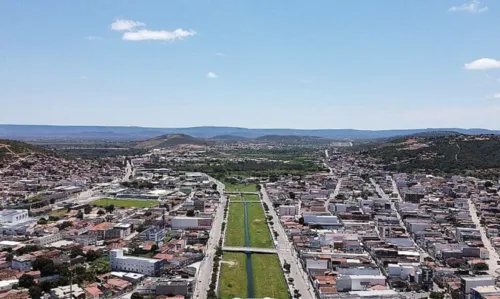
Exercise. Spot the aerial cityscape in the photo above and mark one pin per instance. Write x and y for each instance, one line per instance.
(200, 149)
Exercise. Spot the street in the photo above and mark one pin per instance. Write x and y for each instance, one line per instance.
(204, 275)
(493, 255)
(287, 253)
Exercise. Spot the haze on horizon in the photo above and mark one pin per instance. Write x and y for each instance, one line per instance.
(257, 64)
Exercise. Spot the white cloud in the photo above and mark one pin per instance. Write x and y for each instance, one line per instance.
(212, 75)
(473, 6)
(483, 64)
(83, 78)
(93, 37)
(496, 96)
(220, 54)
(162, 35)
(125, 25)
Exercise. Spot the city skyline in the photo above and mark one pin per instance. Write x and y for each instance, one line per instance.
(330, 64)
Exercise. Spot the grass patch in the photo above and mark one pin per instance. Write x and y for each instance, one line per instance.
(58, 213)
(235, 232)
(259, 232)
(252, 197)
(241, 187)
(268, 280)
(233, 279)
(125, 203)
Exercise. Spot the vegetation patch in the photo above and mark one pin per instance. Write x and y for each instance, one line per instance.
(241, 187)
(125, 203)
(235, 232)
(259, 232)
(268, 278)
(233, 277)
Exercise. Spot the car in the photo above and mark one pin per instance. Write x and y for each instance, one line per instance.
(290, 279)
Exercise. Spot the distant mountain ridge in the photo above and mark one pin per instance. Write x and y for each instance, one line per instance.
(44, 132)
(168, 140)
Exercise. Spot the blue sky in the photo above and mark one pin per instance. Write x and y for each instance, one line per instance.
(261, 64)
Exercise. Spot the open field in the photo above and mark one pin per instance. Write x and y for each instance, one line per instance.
(252, 197)
(235, 232)
(233, 278)
(241, 188)
(268, 280)
(125, 203)
(259, 232)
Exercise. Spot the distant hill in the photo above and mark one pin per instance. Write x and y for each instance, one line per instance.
(290, 138)
(229, 138)
(169, 140)
(45, 132)
(11, 149)
(439, 153)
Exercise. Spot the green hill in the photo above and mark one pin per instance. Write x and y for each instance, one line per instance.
(439, 154)
(11, 149)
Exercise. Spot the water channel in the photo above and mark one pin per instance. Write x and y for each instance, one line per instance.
(249, 254)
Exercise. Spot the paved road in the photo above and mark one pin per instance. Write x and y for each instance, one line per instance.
(335, 192)
(287, 253)
(423, 253)
(204, 274)
(492, 261)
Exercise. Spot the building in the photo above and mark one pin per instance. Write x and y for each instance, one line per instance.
(287, 210)
(13, 216)
(72, 291)
(164, 287)
(146, 266)
(48, 239)
(358, 282)
(485, 292)
(153, 234)
(469, 282)
(107, 230)
(181, 222)
(22, 262)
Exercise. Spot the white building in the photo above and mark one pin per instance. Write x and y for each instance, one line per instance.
(13, 216)
(358, 282)
(146, 266)
(48, 239)
(67, 291)
(403, 270)
(181, 222)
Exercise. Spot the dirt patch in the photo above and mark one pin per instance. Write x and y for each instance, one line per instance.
(229, 263)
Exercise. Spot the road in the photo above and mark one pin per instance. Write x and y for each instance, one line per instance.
(287, 253)
(492, 261)
(204, 274)
(423, 253)
(335, 193)
(128, 172)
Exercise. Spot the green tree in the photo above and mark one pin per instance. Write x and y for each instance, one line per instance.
(87, 209)
(136, 295)
(101, 212)
(42, 221)
(110, 208)
(436, 295)
(26, 280)
(9, 257)
(79, 215)
(154, 248)
(35, 291)
(92, 256)
(76, 251)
